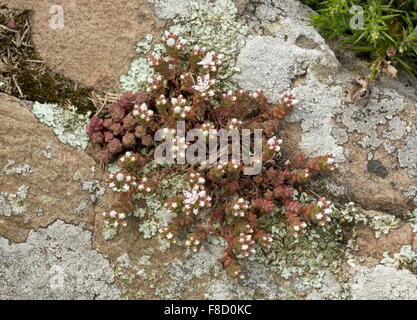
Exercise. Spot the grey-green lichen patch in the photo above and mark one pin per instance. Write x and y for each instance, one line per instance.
(14, 203)
(213, 25)
(384, 104)
(317, 102)
(383, 283)
(411, 193)
(312, 255)
(23, 169)
(149, 228)
(138, 75)
(109, 233)
(169, 9)
(406, 259)
(412, 219)
(67, 124)
(407, 155)
(82, 208)
(382, 224)
(153, 215)
(56, 262)
(48, 153)
(95, 189)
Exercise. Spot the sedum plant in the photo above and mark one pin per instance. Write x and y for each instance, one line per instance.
(388, 34)
(220, 200)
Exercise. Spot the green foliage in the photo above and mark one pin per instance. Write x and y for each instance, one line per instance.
(389, 33)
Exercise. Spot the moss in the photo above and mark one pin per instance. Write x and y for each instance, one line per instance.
(24, 76)
(45, 86)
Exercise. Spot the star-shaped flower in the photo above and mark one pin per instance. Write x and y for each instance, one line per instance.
(191, 197)
(207, 60)
(203, 83)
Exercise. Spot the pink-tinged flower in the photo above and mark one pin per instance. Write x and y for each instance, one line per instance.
(191, 197)
(203, 83)
(207, 60)
(274, 144)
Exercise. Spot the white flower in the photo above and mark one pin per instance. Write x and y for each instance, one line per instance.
(207, 60)
(203, 83)
(191, 197)
(120, 177)
(202, 194)
(170, 42)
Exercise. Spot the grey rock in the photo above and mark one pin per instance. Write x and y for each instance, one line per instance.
(56, 262)
(384, 283)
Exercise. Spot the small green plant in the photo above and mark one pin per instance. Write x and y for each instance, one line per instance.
(388, 33)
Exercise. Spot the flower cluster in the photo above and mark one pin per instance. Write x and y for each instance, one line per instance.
(180, 107)
(142, 113)
(237, 208)
(220, 199)
(115, 219)
(122, 182)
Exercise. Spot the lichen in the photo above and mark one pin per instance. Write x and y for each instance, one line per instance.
(153, 215)
(67, 124)
(313, 254)
(13, 203)
(383, 224)
(169, 9)
(23, 169)
(95, 189)
(412, 219)
(406, 259)
(211, 25)
(48, 153)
